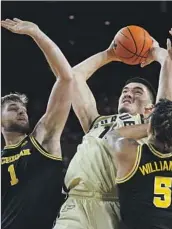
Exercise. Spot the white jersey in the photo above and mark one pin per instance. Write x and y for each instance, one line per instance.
(103, 123)
(92, 167)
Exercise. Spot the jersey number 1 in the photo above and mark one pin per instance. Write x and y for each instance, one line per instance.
(162, 186)
(14, 179)
(106, 129)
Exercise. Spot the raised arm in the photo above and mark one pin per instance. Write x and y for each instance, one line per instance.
(88, 67)
(165, 78)
(83, 101)
(48, 130)
(164, 57)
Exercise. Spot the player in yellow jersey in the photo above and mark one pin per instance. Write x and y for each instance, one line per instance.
(144, 173)
(31, 163)
(90, 179)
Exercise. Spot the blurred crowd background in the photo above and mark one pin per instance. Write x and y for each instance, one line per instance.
(80, 29)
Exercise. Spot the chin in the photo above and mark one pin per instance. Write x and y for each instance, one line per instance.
(125, 109)
(23, 129)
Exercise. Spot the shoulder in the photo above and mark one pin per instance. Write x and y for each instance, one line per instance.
(125, 147)
(127, 143)
(103, 120)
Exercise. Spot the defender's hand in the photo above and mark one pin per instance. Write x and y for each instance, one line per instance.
(169, 48)
(18, 26)
(170, 31)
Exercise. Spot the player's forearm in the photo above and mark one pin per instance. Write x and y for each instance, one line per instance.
(53, 54)
(165, 80)
(135, 131)
(87, 68)
(83, 103)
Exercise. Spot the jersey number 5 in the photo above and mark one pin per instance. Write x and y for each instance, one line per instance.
(162, 186)
(14, 180)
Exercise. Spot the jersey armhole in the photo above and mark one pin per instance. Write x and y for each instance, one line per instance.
(42, 150)
(92, 124)
(134, 168)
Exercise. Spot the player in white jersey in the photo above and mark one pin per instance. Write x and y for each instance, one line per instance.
(90, 179)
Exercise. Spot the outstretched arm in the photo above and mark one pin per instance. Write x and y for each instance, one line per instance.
(135, 132)
(52, 123)
(164, 57)
(165, 78)
(124, 146)
(83, 101)
(88, 67)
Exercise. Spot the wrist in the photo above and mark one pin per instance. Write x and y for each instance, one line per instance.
(106, 58)
(111, 55)
(160, 55)
(35, 32)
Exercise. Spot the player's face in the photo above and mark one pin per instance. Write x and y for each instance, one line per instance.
(15, 118)
(135, 99)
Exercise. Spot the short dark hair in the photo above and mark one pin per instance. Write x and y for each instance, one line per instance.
(151, 89)
(161, 122)
(15, 97)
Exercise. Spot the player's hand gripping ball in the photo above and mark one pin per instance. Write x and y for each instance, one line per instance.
(132, 44)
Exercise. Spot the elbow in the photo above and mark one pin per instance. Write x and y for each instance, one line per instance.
(69, 78)
(66, 77)
(65, 74)
(69, 75)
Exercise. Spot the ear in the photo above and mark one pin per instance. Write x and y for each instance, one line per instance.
(148, 110)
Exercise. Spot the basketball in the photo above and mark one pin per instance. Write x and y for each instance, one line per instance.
(132, 44)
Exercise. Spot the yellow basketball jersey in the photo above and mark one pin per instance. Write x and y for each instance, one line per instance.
(92, 168)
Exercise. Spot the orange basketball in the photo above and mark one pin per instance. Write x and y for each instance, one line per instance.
(132, 44)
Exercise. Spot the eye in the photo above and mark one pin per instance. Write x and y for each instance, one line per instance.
(138, 92)
(13, 109)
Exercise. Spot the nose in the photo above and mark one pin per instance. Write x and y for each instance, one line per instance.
(21, 112)
(128, 94)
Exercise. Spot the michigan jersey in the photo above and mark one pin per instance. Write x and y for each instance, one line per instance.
(31, 186)
(146, 193)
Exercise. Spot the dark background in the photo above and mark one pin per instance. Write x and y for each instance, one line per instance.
(94, 24)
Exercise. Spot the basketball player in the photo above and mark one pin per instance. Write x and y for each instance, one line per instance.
(144, 173)
(90, 178)
(32, 175)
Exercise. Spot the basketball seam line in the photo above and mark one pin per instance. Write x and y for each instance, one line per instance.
(141, 49)
(124, 35)
(134, 54)
(132, 38)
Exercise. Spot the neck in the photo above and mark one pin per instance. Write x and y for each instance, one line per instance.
(12, 138)
(159, 146)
